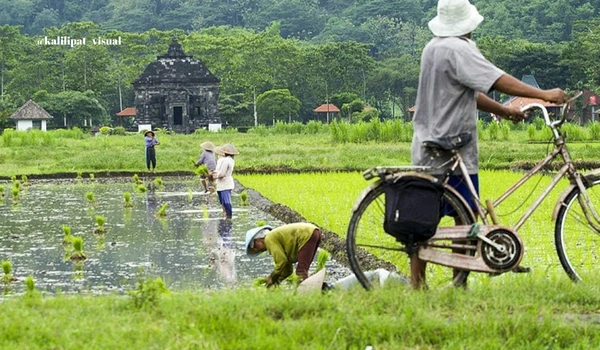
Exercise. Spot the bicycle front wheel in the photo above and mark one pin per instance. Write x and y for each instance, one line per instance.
(577, 242)
(370, 248)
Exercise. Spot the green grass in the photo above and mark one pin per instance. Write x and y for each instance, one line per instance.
(522, 313)
(117, 153)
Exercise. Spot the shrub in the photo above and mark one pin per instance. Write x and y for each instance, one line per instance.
(493, 130)
(594, 130)
(105, 130)
(575, 132)
(505, 128)
(147, 292)
(260, 130)
(119, 130)
(531, 131)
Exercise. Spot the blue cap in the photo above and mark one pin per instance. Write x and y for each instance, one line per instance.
(251, 234)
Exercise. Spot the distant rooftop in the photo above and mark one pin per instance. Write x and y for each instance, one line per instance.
(530, 80)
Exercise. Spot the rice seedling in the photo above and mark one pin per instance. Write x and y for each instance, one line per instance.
(92, 176)
(7, 269)
(141, 188)
(79, 176)
(158, 182)
(78, 254)
(259, 281)
(162, 212)
(30, 285)
(201, 170)
(261, 223)
(204, 211)
(244, 197)
(137, 179)
(190, 195)
(322, 259)
(90, 197)
(68, 238)
(294, 279)
(1, 191)
(127, 197)
(13, 178)
(17, 184)
(16, 193)
(25, 180)
(100, 229)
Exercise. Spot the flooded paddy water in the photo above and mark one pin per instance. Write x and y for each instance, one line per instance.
(190, 248)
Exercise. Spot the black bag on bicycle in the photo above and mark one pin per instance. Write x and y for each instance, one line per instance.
(412, 209)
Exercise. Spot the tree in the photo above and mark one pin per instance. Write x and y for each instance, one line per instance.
(277, 105)
(10, 45)
(74, 107)
(342, 98)
(298, 18)
(235, 111)
(394, 84)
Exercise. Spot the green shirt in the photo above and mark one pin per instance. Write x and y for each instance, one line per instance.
(283, 243)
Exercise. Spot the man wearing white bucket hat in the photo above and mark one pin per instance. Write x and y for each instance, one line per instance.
(453, 84)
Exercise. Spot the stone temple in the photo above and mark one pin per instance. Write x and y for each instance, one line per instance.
(177, 92)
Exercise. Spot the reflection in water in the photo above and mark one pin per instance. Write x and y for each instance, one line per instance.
(218, 238)
(151, 205)
(225, 254)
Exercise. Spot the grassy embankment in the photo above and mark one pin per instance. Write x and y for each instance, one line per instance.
(62, 152)
(536, 311)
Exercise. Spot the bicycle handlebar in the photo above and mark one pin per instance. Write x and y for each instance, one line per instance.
(563, 112)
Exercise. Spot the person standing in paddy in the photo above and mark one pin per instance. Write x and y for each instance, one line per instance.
(151, 141)
(208, 158)
(223, 176)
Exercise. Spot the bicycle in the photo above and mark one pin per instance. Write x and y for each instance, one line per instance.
(475, 241)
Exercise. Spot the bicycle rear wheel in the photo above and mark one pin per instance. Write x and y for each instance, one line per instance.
(577, 243)
(370, 248)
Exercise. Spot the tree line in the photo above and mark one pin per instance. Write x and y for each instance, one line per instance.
(313, 20)
(95, 80)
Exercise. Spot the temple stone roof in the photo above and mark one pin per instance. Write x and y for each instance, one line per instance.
(175, 67)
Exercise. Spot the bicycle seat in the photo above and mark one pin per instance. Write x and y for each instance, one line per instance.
(449, 143)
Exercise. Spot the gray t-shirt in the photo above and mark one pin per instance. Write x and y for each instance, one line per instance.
(453, 71)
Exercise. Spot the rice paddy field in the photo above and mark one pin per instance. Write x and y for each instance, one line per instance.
(320, 179)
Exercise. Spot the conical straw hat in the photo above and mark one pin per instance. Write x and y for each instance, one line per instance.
(313, 282)
(207, 145)
(228, 148)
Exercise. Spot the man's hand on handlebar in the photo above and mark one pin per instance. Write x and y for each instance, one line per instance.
(557, 96)
(513, 114)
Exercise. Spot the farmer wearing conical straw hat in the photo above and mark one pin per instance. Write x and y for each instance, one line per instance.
(207, 158)
(223, 176)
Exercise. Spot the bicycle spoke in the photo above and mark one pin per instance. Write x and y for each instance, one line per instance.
(577, 242)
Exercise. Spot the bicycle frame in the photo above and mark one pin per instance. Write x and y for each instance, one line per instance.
(567, 169)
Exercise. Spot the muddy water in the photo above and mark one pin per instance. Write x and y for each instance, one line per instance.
(192, 247)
